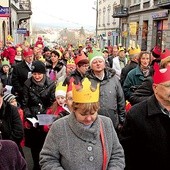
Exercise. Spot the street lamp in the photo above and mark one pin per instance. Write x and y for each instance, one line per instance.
(96, 9)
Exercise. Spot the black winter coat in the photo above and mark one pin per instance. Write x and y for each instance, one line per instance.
(10, 123)
(37, 98)
(19, 76)
(146, 137)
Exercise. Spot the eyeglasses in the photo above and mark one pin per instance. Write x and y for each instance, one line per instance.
(85, 65)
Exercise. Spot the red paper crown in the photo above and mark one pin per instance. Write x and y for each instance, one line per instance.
(165, 54)
(80, 57)
(157, 50)
(161, 75)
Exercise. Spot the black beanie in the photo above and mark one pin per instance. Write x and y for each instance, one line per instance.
(38, 67)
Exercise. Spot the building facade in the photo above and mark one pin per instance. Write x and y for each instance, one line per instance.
(107, 26)
(143, 22)
(15, 20)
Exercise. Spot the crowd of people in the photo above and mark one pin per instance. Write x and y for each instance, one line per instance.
(84, 107)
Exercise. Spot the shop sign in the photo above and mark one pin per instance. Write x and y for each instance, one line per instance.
(161, 14)
(21, 31)
(133, 28)
(4, 11)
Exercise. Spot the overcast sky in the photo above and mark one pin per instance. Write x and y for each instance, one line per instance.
(75, 12)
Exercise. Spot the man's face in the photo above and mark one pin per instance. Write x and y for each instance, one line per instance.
(122, 54)
(162, 93)
(98, 65)
(29, 59)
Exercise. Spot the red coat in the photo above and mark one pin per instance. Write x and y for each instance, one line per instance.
(9, 53)
(56, 113)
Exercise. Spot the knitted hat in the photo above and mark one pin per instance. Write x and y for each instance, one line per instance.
(38, 67)
(95, 53)
(165, 53)
(27, 52)
(161, 75)
(5, 62)
(60, 90)
(8, 97)
(46, 49)
(156, 52)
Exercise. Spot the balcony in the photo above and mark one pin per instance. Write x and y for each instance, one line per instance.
(24, 12)
(120, 12)
(165, 4)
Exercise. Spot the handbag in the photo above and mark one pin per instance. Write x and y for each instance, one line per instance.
(104, 166)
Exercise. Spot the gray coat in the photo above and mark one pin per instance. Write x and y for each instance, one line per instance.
(112, 102)
(71, 146)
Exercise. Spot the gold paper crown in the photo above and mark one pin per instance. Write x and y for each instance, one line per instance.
(60, 86)
(85, 94)
(9, 38)
(121, 49)
(134, 50)
(70, 61)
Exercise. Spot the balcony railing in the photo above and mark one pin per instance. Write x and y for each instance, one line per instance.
(164, 4)
(120, 11)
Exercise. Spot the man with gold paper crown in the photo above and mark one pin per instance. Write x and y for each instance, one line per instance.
(146, 132)
(9, 52)
(83, 139)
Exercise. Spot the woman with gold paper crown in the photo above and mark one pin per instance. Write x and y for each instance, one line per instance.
(83, 139)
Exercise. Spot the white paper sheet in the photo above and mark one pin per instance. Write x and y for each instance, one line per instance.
(46, 119)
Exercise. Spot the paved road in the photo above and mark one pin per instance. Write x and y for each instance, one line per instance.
(28, 157)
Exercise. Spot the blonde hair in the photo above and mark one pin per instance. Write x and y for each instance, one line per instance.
(164, 62)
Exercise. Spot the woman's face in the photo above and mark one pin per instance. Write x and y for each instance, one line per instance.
(5, 69)
(37, 76)
(61, 100)
(145, 60)
(54, 58)
(86, 118)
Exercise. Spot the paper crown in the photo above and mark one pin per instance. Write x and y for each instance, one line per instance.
(157, 50)
(5, 62)
(85, 93)
(95, 53)
(42, 59)
(27, 52)
(60, 90)
(165, 53)
(121, 49)
(80, 57)
(9, 38)
(19, 49)
(134, 50)
(70, 62)
(161, 75)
